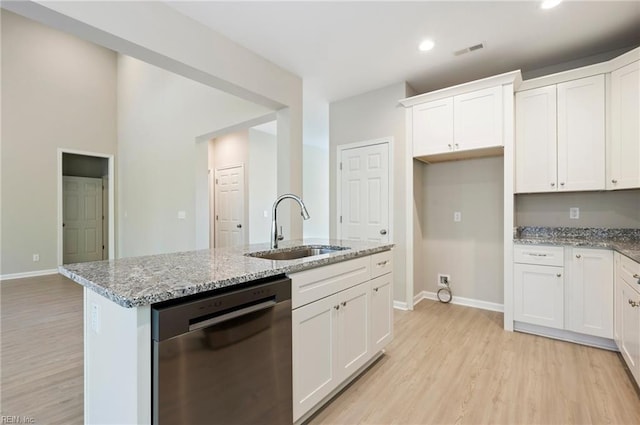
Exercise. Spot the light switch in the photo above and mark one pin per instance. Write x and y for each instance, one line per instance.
(457, 216)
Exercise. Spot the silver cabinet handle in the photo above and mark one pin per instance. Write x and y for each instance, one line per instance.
(578, 256)
(636, 276)
(337, 307)
(239, 226)
(382, 263)
(383, 231)
(561, 183)
(633, 303)
(344, 303)
(559, 275)
(552, 184)
(614, 181)
(376, 289)
(457, 146)
(450, 147)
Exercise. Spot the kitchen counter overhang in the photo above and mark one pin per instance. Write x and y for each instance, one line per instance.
(142, 281)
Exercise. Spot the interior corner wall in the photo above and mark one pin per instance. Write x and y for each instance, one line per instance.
(162, 170)
(471, 251)
(315, 162)
(370, 116)
(59, 92)
(262, 184)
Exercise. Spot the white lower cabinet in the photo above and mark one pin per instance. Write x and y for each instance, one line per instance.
(590, 292)
(336, 335)
(565, 288)
(627, 312)
(539, 295)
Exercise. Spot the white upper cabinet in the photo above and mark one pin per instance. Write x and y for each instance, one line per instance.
(433, 127)
(477, 119)
(560, 137)
(536, 140)
(581, 137)
(624, 150)
(463, 121)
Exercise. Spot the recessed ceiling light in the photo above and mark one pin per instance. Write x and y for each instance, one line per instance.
(426, 45)
(549, 4)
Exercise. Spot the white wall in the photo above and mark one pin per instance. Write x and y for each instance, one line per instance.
(58, 92)
(315, 162)
(262, 185)
(471, 251)
(370, 116)
(161, 169)
(158, 34)
(615, 209)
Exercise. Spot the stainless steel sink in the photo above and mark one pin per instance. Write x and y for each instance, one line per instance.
(296, 252)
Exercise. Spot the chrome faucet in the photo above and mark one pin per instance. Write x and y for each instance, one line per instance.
(275, 237)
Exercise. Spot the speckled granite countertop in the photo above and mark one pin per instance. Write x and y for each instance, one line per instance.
(139, 281)
(625, 241)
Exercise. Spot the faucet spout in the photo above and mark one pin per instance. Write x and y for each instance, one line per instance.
(275, 237)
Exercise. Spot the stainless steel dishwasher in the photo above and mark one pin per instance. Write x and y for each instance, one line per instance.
(224, 358)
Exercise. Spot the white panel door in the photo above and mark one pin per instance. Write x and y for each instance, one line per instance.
(433, 127)
(624, 172)
(478, 119)
(353, 329)
(314, 328)
(536, 156)
(364, 179)
(591, 292)
(630, 328)
(82, 219)
(538, 294)
(229, 206)
(581, 134)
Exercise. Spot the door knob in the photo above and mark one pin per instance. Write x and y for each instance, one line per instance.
(578, 255)
(614, 181)
(383, 231)
(239, 226)
(552, 184)
(559, 275)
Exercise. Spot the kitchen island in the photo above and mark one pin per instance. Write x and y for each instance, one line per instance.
(118, 296)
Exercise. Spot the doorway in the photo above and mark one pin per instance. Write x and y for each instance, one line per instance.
(85, 207)
(364, 191)
(229, 206)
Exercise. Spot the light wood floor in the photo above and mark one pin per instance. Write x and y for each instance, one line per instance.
(447, 365)
(42, 349)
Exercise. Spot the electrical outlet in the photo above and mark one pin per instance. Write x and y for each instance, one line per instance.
(574, 213)
(36, 258)
(444, 280)
(95, 318)
(457, 216)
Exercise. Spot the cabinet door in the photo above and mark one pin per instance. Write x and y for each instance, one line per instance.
(536, 150)
(381, 312)
(539, 295)
(617, 295)
(630, 328)
(581, 137)
(591, 292)
(353, 329)
(624, 151)
(478, 119)
(433, 127)
(314, 341)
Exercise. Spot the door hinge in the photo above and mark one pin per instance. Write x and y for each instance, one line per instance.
(341, 166)
(340, 219)
(216, 217)
(103, 247)
(216, 181)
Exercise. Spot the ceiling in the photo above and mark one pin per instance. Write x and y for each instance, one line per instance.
(342, 49)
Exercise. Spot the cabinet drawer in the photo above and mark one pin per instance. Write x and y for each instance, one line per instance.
(311, 285)
(629, 271)
(381, 263)
(539, 254)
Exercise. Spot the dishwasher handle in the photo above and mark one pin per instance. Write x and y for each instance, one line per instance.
(231, 315)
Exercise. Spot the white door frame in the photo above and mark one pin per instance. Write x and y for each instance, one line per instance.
(111, 237)
(385, 140)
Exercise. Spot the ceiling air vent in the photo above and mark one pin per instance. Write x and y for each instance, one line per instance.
(469, 49)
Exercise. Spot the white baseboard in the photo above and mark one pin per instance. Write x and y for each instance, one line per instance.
(565, 335)
(28, 274)
(399, 305)
(469, 302)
